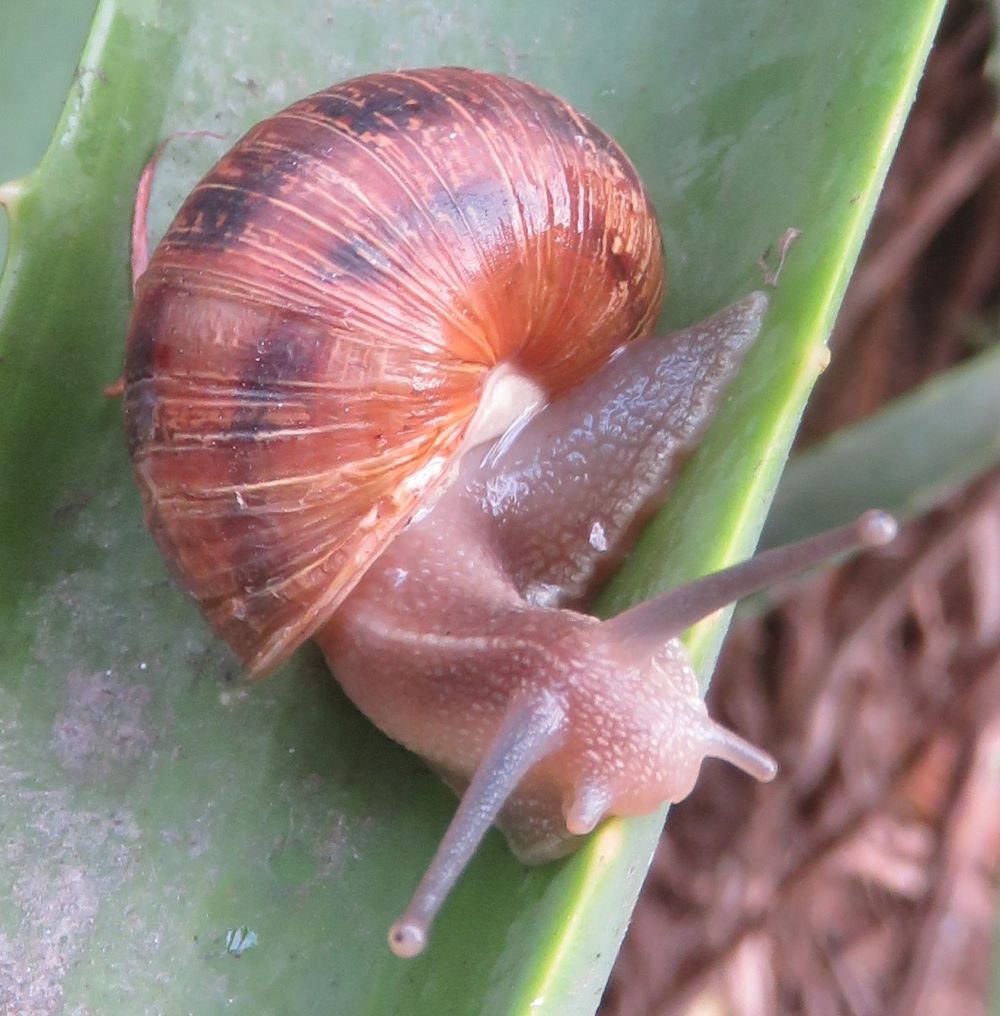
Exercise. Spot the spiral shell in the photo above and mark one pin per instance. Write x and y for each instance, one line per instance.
(312, 337)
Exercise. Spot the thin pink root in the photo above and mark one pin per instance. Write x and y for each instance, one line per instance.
(140, 233)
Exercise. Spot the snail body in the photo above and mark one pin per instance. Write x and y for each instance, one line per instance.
(388, 385)
(466, 610)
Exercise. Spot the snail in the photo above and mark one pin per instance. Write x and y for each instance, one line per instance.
(389, 386)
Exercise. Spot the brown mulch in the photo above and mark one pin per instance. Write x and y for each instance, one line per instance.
(864, 880)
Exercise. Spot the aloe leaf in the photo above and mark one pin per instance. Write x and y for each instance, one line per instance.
(906, 458)
(175, 841)
(32, 91)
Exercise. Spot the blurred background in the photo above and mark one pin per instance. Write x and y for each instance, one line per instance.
(864, 880)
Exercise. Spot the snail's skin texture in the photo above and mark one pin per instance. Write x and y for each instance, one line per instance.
(465, 611)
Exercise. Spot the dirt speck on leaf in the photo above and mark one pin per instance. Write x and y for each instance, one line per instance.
(102, 725)
(66, 861)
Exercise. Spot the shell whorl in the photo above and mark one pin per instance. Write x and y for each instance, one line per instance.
(311, 338)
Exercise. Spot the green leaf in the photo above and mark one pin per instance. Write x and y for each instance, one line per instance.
(32, 91)
(993, 60)
(905, 459)
(154, 813)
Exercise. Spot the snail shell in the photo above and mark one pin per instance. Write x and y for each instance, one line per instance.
(314, 334)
